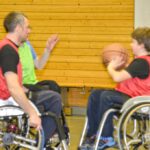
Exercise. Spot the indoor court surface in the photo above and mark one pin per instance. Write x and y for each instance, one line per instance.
(76, 124)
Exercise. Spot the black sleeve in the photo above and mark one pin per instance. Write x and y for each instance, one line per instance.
(8, 59)
(139, 68)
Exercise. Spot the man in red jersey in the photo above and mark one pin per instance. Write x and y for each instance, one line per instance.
(11, 90)
(17, 27)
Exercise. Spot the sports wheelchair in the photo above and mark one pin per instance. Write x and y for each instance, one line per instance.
(133, 125)
(16, 134)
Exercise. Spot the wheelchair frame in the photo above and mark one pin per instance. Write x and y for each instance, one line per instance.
(10, 137)
(138, 109)
(129, 107)
(15, 130)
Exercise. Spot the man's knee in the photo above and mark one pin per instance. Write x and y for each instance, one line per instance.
(55, 96)
(49, 100)
(54, 104)
(106, 98)
(95, 95)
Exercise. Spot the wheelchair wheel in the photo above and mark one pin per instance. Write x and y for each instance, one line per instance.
(134, 128)
(15, 132)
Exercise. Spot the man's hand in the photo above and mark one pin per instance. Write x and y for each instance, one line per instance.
(51, 42)
(35, 121)
(116, 62)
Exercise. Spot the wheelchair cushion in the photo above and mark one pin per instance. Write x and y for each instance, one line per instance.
(10, 111)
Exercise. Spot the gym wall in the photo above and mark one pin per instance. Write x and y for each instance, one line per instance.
(84, 27)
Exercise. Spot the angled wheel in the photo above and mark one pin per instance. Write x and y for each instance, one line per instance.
(134, 128)
(15, 132)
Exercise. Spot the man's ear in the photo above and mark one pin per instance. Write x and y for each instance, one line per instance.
(18, 28)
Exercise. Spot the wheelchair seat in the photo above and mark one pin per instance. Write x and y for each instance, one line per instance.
(8, 110)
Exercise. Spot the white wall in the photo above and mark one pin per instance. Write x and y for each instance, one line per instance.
(142, 13)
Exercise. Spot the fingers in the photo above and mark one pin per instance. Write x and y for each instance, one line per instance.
(35, 121)
(51, 42)
(37, 126)
(53, 38)
(117, 62)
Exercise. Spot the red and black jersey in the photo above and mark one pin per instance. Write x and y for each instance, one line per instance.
(139, 84)
(9, 61)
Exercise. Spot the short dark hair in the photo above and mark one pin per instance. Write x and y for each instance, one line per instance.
(12, 20)
(142, 35)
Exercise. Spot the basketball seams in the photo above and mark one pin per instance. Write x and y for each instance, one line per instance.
(122, 53)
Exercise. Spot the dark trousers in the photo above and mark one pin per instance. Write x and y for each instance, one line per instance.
(99, 102)
(50, 101)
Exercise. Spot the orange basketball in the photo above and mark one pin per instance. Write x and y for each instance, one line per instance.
(112, 50)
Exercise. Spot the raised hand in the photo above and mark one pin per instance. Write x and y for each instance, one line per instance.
(51, 42)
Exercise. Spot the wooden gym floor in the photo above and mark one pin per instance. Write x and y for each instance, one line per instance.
(76, 124)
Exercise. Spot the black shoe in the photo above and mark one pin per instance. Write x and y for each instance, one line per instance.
(49, 148)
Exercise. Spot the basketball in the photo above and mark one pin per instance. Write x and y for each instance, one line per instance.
(112, 50)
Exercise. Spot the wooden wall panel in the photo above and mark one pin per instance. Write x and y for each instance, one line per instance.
(84, 27)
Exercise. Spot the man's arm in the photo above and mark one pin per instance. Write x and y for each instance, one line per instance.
(51, 42)
(116, 75)
(138, 68)
(19, 96)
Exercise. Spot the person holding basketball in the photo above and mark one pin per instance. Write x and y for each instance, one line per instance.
(132, 81)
